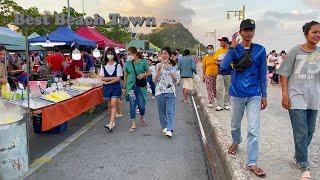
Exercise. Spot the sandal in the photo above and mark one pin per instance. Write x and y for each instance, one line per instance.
(109, 127)
(233, 149)
(132, 130)
(143, 122)
(306, 175)
(257, 171)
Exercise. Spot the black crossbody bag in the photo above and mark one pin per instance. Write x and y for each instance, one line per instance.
(244, 62)
(139, 82)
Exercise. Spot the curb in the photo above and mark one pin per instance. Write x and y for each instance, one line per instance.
(233, 166)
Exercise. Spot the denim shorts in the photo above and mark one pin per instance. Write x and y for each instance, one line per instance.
(111, 91)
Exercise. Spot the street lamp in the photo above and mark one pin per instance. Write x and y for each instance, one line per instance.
(213, 34)
(237, 13)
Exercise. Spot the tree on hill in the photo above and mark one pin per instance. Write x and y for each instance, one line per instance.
(172, 35)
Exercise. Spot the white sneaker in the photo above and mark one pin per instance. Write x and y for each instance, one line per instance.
(138, 112)
(227, 107)
(164, 131)
(210, 105)
(219, 108)
(215, 100)
(169, 134)
(118, 115)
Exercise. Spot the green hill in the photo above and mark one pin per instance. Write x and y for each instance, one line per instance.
(172, 35)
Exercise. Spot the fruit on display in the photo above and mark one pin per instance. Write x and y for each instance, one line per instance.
(86, 83)
(57, 96)
(12, 95)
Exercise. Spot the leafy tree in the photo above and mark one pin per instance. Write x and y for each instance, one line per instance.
(174, 36)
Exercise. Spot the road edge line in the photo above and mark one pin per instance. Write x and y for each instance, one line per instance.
(56, 150)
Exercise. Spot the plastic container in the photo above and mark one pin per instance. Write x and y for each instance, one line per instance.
(34, 87)
(37, 123)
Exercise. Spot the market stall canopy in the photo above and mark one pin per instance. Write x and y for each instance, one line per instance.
(154, 47)
(33, 35)
(64, 35)
(94, 35)
(14, 41)
(139, 44)
(9, 32)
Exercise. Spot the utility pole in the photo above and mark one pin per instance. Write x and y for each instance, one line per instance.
(82, 8)
(238, 13)
(68, 1)
(174, 40)
(213, 34)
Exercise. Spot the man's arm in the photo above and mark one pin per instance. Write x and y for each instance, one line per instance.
(263, 74)
(194, 66)
(227, 60)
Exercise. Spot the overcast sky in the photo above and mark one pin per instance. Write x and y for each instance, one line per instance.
(278, 22)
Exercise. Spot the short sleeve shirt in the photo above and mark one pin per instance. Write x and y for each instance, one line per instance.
(303, 72)
(165, 83)
(110, 69)
(141, 67)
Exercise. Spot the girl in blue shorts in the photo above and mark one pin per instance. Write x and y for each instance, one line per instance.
(110, 74)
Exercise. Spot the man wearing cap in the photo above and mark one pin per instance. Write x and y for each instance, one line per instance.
(248, 90)
(223, 78)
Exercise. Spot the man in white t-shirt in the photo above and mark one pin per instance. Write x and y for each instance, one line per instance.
(271, 61)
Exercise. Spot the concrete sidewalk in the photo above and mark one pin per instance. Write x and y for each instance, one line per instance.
(276, 144)
(145, 154)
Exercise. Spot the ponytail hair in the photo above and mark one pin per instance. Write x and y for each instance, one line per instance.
(135, 51)
(307, 27)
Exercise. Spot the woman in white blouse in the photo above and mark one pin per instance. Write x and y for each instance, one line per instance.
(165, 78)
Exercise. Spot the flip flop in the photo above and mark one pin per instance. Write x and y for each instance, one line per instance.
(306, 176)
(257, 171)
(233, 149)
(132, 130)
(143, 122)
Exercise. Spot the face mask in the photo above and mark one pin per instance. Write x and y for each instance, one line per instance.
(130, 58)
(110, 56)
(210, 51)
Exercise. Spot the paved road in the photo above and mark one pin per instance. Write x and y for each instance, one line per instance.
(276, 147)
(146, 154)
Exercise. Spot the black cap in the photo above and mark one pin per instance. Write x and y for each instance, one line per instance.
(247, 23)
(225, 39)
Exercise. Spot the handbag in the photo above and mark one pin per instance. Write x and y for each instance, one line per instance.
(139, 82)
(244, 62)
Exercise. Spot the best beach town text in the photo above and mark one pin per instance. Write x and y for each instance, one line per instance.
(96, 20)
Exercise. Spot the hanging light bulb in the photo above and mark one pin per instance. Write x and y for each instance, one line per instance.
(96, 53)
(76, 55)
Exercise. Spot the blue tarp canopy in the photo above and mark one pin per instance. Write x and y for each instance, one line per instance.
(9, 32)
(64, 34)
(14, 41)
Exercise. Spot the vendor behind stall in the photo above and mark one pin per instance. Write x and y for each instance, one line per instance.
(88, 61)
(55, 62)
(74, 69)
(3, 76)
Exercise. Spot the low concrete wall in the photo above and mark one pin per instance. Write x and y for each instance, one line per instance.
(234, 168)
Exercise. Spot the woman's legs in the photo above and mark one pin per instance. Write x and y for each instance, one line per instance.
(162, 110)
(170, 109)
(303, 125)
(141, 105)
(211, 88)
(119, 107)
(113, 105)
(133, 105)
